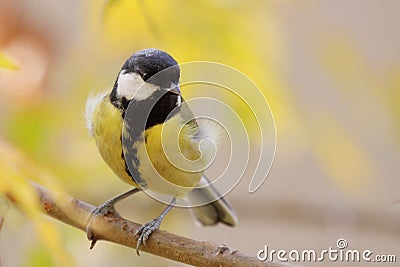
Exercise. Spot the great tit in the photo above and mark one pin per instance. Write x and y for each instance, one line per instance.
(135, 124)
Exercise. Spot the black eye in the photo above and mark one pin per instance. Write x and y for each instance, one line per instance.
(145, 76)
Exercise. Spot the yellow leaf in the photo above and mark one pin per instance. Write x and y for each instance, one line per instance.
(6, 63)
(15, 169)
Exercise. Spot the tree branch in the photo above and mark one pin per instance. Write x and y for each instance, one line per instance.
(113, 228)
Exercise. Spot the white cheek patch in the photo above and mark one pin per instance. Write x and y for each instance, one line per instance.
(179, 101)
(131, 86)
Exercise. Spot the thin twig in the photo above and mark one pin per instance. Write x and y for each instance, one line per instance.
(114, 228)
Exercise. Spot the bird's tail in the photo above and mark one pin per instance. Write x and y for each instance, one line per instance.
(214, 212)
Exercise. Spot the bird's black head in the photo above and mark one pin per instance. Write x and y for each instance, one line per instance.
(149, 80)
(149, 62)
(144, 73)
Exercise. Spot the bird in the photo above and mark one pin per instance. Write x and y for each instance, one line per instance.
(141, 126)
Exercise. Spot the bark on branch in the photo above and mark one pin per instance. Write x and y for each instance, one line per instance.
(114, 228)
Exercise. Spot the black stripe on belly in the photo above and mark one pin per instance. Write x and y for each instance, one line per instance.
(134, 172)
(139, 116)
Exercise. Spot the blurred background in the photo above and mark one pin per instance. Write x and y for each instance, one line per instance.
(330, 71)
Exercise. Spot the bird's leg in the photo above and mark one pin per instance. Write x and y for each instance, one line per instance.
(104, 209)
(147, 229)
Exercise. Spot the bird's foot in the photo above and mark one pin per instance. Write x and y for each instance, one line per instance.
(100, 211)
(145, 231)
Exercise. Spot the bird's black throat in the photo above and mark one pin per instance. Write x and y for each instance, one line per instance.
(162, 106)
(149, 112)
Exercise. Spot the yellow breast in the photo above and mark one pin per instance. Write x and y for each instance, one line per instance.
(168, 164)
(107, 129)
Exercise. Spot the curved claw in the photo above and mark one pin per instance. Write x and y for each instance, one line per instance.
(145, 231)
(101, 210)
(104, 209)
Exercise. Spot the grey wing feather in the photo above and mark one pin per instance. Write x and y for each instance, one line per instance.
(214, 212)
